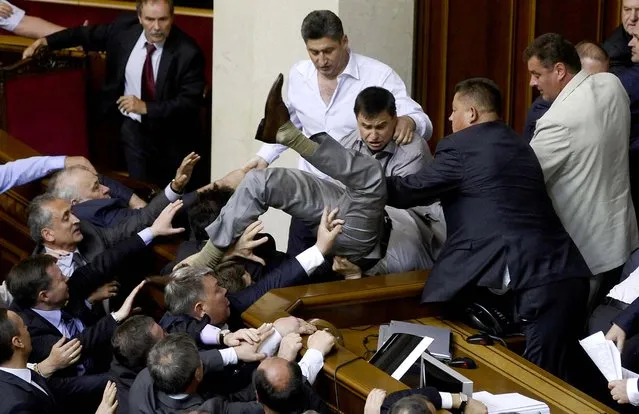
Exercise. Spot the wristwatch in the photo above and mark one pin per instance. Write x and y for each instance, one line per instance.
(464, 402)
(223, 333)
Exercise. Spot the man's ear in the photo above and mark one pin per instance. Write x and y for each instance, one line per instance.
(472, 115)
(561, 70)
(47, 235)
(17, 342)
(198, 310)
(43, 297)
(345, 41)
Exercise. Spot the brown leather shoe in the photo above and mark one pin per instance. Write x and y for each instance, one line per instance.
(275, 113)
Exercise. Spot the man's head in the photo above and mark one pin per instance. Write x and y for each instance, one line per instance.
(133, 340)
(630, 15)
(279, 385)
(552, 62)
(204, 212)
(476, 100)
(77, 184)
(326, 43)
(634, 45)
(14, 336)
(51, 223)
(156, 17)
(413, 404)
(195, 291)
(594, 59)
(376, 116)
(232, 276)
(175, 365)
(37, 282)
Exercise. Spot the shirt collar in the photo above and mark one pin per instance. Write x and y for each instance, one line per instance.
(52, 316)
(390, 148)
(351, 68)
(22, 373)
(143, 40)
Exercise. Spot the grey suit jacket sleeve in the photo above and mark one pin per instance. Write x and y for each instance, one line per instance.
(134, 224)
(212, 361)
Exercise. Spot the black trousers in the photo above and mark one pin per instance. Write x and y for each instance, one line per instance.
(553, 317)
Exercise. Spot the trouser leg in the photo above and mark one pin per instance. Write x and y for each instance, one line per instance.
(135, 153)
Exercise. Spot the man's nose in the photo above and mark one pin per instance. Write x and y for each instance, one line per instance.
(532, 82)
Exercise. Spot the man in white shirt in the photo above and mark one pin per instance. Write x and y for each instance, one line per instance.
(14, 19)
(322, 92)
(25, 170)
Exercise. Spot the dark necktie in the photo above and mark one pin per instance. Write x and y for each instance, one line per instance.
(74, 329)
(78, 260)
(148, 81)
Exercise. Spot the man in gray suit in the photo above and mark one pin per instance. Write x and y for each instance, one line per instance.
(582, 146)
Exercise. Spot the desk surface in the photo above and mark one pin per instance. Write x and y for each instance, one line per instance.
(357, 307)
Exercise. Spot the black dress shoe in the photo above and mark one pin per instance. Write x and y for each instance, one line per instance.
(275, 113)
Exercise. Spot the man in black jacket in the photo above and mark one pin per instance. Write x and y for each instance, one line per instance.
(617, 43)
(154, 79)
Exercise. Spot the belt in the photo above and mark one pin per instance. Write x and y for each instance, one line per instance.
(615, 303)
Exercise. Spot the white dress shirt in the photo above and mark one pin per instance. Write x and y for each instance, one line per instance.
(24, 374)
(311, 115)
(632, 391)
(134, 68)
(10, 23)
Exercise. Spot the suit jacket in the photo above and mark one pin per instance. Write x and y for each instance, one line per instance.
(172, 116)
(630, 81)
(497, 213)
(616, 45)
(582, 146)
(536, 111)
(19, 397)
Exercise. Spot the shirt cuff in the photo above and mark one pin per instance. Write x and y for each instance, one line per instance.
(269, 153)
(89, 305)
(170, 194)
(271, 345)
(310, 259)
(135, 117)
(631, 390)
(447, 400)
(210, 335)
(146, 235)
(229, 356)
(56, 163)
(311, 364)
(12, 22)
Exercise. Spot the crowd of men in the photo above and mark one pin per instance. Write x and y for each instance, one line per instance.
(541, 222)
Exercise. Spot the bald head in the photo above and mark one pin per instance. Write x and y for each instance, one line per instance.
(77, 183)
(279, 385)
(594, 59)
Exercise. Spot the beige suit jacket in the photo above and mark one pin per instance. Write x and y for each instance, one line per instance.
(582, 146)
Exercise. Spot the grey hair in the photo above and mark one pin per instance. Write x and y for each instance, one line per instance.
(60, 187)
(38, 216)
(172, 363)
(185, 288)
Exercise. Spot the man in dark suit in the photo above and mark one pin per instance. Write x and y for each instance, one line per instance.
(502, 229)
(154, 78)
(26, 391)
(617, 43)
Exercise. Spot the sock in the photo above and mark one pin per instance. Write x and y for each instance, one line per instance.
(209, 256)
(293, 138)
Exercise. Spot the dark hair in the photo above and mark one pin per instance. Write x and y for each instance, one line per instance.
(205, 211)
(483, 92)
(172, 363)
(229, 276)
(413, 404)
(132, 342)
(552, 48)
(322, 23)
(373, 101)
(287, 400)
(8, 330)
(140, 3)
(28, 278)
(38, 216)
(591, 50)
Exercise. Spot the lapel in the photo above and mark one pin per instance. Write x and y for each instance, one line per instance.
(7, 378)
(572, 85)
(168, 53)
(128, 41)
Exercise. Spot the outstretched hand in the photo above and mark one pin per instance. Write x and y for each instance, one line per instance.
(184, 172)
(162, 225)
(328, 230)
(246, 243)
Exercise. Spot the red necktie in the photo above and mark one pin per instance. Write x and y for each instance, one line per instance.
(148, 81)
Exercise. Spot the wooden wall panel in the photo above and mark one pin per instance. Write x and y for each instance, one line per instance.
(458, 39)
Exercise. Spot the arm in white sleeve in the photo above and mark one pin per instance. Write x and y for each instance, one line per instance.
(447, 400)
(406, 106)
(170, 194)
(633, 393)
(146, 235)
(311, 364)
(229, 356)
(26, 170)
(310, 259)
(210, 335)
(11, 23)
(271, 345)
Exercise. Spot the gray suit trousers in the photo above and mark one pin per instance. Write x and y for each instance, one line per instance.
(302, 195)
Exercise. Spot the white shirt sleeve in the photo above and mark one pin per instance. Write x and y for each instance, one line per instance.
(406, 106)
(171, 195)
(447, 400)
(23, 171)
(210, 335)
(271, 345)
(310, 259)
(229, 356)
(311, 364)
(633, 393)
(10, 23)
